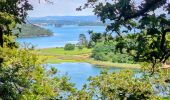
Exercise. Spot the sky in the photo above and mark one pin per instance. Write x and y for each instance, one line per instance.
(62, 8)
(58, 8)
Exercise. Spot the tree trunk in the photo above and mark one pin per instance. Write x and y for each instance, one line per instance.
(1, 37)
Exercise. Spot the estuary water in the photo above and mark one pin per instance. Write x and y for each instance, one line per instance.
(62, 35)
(80, 72)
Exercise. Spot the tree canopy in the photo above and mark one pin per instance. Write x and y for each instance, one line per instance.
(12, 12)
(125, 16)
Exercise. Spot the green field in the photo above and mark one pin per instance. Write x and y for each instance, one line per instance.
(59, 55)
(61, 51)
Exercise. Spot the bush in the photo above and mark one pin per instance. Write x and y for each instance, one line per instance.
(107, 52)
(122, 58)
(69, 46)
(102, 51)
(80, 47)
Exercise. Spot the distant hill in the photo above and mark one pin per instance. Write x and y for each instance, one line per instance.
(67, 20)
(28, 30)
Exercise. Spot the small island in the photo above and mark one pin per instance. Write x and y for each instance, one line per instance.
(29, 30)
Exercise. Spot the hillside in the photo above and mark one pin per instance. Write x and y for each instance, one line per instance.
(28, 30)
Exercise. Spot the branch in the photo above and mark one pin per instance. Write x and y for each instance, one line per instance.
(146, 8)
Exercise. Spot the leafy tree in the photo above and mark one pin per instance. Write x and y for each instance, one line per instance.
(119, 86)
(69, 46)
(12, 12)
(23, 76)
(82, 40)
(125, 15)
(98, 37)
(107, 52)
(22, 73)
(103, 51)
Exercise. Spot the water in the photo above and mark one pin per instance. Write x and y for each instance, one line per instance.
(62, 35)
(79, 72)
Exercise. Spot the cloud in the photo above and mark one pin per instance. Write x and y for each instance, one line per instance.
(58, 8)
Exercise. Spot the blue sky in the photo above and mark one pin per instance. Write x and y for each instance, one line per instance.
(58, 8)
(62, 8)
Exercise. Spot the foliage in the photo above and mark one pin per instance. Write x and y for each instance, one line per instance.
(69, 46)
(117, 86)
(127, 15)
(82, 40)
(98, 37)
(28, 30)
(22, 76)
(80, 47)
(12, 12)
(9, 42)
(94, 38)
(107, 52)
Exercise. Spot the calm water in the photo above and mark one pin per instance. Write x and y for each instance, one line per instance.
(62, 35)
(79, 72)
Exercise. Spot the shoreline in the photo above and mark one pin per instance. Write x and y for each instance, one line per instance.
(58, 55)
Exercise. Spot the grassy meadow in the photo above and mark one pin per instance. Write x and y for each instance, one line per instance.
(59, 55)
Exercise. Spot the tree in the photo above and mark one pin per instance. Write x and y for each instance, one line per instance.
(125, 15)
(23, 76)
(119, 86)
(82, 40)
(107, 52)
(94, 38)
(12, 12)
(69, 46)
(22, 73)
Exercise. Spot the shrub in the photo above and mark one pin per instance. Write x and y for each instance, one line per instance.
(69, 46)
(80, 47)
(122, 58)
(107, 52)
(101, 52)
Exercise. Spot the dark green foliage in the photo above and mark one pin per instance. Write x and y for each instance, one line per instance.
(108, 52)
(28, 30)
(95, 37)
(69, 46)
(122, 58)
(98, 37)
(103, 51)
(80, 47)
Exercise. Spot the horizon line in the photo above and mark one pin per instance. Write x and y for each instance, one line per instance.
(60, 16)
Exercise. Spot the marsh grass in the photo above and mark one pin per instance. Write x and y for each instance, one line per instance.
(59, 55)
